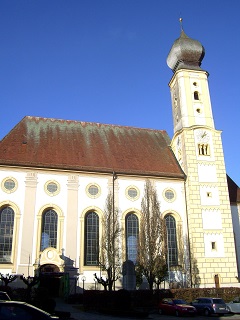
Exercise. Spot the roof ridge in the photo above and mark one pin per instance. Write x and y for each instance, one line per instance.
(92, 123)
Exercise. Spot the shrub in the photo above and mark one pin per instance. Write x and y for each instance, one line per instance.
(146, 300)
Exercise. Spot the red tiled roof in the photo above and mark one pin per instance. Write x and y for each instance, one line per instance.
(85, 146)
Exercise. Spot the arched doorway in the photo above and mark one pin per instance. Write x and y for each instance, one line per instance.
(46, 268)
(50, 279)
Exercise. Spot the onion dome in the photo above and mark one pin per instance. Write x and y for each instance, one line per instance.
(186, 53)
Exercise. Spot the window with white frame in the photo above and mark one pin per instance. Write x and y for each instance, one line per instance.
(49, 229)
(6, 234)
(132, 232)
(91, 239)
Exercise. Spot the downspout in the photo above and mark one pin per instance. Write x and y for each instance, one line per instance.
(114, 177)
(189, 247)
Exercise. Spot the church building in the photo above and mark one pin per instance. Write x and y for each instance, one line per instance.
(56, 175)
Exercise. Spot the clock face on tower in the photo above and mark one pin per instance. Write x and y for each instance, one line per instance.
(203, 135)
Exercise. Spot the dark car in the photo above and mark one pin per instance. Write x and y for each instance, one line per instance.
(10, 310)
(208, 306)
(176, 307)
(4, 296)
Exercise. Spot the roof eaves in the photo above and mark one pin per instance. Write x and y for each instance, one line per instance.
(180, 176)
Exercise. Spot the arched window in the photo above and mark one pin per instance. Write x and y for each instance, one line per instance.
(49, 229)
(6, 234)
(132, 231)
(172, 240)
(196, 95)
(91, 246)
(203, 149)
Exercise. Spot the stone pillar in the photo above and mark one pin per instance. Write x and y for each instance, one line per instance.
(72, 217)
(26, 258)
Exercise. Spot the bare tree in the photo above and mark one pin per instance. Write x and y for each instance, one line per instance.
(196, 280)
(187, 263)
(161, 273)
(7, 278)
(152, 251)
(30, 282)
(182, 270)
(109, 260)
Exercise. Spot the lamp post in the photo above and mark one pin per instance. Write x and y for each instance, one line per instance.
(95, 283)
(83, 280)
(75, 282)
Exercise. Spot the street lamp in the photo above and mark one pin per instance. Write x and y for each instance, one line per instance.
(95, 282)
(75, 282)
(83, 280)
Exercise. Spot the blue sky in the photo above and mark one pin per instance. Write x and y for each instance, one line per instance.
(105, 61)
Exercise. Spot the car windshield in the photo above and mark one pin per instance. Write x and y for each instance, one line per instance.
(178, 301)
(218, 301)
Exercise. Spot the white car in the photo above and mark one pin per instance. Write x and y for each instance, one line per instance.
(234, 306)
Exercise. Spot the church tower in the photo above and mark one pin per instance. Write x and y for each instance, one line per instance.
(198, 147)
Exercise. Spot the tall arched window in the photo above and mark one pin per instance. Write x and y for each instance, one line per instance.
(6, 234)
(132, 231)
(49, 229)
(172, 240)
(91, 246)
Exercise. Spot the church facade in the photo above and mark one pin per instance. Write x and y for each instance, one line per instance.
(56, 175)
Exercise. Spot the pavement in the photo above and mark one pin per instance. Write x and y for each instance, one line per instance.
(74, 310)
(77, 313)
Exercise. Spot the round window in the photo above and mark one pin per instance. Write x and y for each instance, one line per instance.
(93, 190)
(9, 185)
(169, 195)
(52, 188)
(132, 193)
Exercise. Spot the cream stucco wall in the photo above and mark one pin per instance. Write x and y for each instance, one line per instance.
(208, 207)
(71, 203)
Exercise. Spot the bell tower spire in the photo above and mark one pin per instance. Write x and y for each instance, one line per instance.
(191, 103)
(198, 148)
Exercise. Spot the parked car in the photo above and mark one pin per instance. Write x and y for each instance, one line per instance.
(10, 310)
(208, 306)
(234, 306)
(4, 296)
(176, 307)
